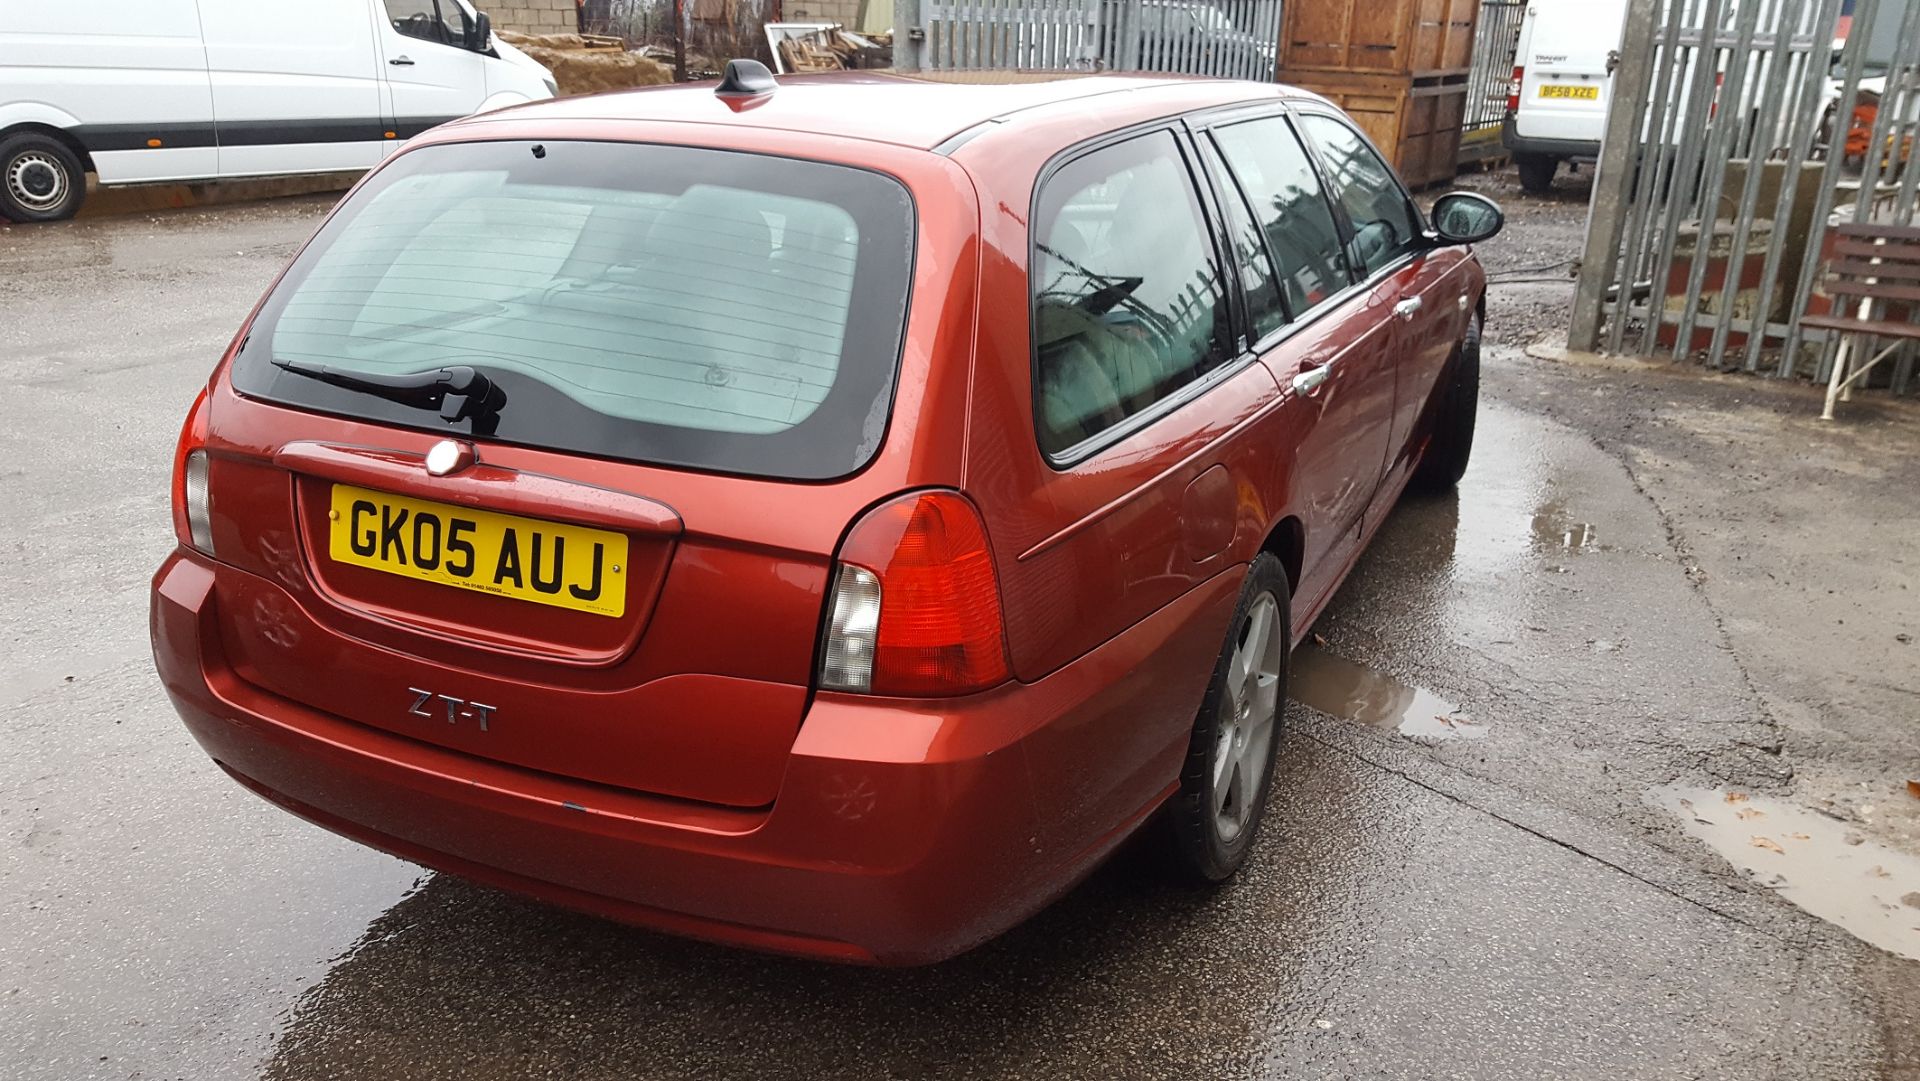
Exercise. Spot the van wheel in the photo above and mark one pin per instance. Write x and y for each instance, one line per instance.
(40, 179)
(1210, 823)
(1444, 461)
(1536, 172)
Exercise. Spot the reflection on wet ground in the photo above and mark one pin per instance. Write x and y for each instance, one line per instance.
(1816, 861)
(1340, 688)
(1556, 530)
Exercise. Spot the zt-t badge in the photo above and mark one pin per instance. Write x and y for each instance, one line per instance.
(431, 706)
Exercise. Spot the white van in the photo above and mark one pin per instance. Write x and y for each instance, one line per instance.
(146, 90)
(1557, 105)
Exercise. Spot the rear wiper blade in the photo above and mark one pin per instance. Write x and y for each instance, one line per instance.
(459, 392)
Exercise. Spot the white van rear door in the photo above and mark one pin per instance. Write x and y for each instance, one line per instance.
(129, 81)
(1566, 87)
(431, 77)
(296, 88)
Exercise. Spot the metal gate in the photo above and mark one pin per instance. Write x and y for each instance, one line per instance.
(1235, 39)
(1496, 38)
(1725, 162)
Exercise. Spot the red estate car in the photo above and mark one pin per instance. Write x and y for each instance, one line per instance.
(826, 517)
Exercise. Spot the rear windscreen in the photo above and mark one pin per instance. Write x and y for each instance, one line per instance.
(702, 308)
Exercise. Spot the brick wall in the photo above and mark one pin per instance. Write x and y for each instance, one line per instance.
(531, 16)
(844, 12)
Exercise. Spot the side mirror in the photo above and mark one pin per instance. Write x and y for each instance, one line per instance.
(480, 33)
(1465, 217)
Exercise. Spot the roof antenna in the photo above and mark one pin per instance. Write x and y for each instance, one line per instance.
(745, 78)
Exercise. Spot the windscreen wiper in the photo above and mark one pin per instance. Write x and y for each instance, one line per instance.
(459, 392)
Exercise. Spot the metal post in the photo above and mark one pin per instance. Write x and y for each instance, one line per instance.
(909, 38)
(1606, 215)
(679, 41)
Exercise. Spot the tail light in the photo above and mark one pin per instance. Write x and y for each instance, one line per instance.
(915, 609)
(192, 505)
(1513, 88)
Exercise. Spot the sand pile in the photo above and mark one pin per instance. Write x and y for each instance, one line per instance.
(582, 65)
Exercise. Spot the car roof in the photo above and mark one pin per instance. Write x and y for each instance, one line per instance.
(915, 110)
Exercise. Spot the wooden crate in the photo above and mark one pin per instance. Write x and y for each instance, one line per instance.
(1379, 37)
(1415, 122)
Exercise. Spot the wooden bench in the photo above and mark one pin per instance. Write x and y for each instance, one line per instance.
(1875, 268)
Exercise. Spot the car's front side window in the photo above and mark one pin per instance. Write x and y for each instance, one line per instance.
(1128, 300)
(1385, 225)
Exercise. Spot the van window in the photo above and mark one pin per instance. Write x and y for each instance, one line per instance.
(1129, 305)
(663, 304)
(1385, 225)
(1273, 169)
(421, 19)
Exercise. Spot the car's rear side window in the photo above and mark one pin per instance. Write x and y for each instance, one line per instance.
(1272, 168)
(682, 306)
(1129, 302)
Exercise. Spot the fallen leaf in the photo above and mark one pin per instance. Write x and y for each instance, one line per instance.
(1911, 900)
(1749, 812)
(1799, 837)
(1766, 843)
(1736, 797)
(1913, 789)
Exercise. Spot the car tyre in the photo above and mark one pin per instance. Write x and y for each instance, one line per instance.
(1210, 824)
(1444, 461)
(1536, 172)
(41, 178)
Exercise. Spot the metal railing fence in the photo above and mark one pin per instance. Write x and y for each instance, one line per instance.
(1724, 163)
(1234, 39)
(1496, 37)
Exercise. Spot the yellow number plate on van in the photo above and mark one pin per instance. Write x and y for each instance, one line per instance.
(509, 556)
(1589, 92)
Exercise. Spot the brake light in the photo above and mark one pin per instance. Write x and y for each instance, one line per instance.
(915, 609)
(1513, 88)
(192, 505)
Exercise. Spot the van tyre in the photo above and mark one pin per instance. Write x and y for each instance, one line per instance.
(40, 178)
(1211, 822)
(1444, 461)
(1536, 172)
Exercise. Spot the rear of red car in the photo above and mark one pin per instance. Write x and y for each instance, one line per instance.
(573, 515)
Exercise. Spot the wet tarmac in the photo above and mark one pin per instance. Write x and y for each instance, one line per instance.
(1510, 903)
(1812, 858)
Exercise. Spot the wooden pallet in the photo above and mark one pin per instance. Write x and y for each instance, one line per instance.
(1377, 37)
(1413, 120)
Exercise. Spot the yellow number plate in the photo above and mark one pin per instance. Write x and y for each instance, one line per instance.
(503, 554)
(1571, 90)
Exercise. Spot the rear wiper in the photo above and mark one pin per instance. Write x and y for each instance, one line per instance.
(458, 392)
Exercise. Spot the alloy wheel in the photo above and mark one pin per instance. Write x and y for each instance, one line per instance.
(1249, 712)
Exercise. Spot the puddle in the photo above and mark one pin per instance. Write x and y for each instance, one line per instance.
(1557, 531)
(1339, 687)
(1820, 864)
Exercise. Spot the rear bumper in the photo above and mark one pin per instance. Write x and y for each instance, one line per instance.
(1564, 149)
(904, 832)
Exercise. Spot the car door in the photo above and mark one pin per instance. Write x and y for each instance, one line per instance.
(431, 76)
(295, 90)
(1408, 280)
(1329, 343)
(1119, 484)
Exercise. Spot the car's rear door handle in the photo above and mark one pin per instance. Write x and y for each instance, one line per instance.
(1308, 382)
(1407, 309)
(401, 61)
